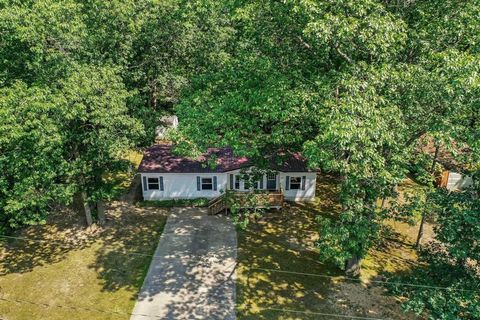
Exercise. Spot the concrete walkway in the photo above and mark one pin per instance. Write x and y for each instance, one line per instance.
(192, 275)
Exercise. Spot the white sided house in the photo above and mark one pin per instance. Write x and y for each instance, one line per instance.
(167, 176)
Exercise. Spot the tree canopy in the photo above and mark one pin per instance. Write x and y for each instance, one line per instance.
(353, 85)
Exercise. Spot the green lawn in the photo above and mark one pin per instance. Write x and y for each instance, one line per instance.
(75, 273)
(285, 241)
(121, 182)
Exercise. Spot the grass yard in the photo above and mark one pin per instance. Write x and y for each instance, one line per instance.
(69, 272)
(397, 255)
(121, 182)
(285, 241)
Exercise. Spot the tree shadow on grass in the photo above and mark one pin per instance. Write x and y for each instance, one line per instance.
(45, 244)
(122, 247)
(260, 291)
(123, 259)
(285, 240)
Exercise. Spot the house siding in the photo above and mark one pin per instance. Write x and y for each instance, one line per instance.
(184, 185)
(299, 195)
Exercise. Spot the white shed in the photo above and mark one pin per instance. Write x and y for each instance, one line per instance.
(167, 122)
(454, 181)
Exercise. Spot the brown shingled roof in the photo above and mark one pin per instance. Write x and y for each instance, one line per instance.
(160, 159)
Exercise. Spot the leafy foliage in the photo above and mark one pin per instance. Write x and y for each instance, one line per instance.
(30, 156)
(353, 85)
(96, 127)
(449, 270)
(246, 207)
(197, 202)
(82, 81)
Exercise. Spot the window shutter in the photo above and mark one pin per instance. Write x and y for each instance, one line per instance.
(287, 183)
(198, 184)
(145, 186)
(231, 182)
(261, 182)
(304, 178)
(215, 183)
(161, 183)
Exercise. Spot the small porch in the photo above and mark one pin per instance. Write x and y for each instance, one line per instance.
(244, 200)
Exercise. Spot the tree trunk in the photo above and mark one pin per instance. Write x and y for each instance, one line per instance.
(420, 230)
(153, 96)
(101, 212)
(435, 158)
(86, 208)
(424, 214)
(382, 206)
(353, 266)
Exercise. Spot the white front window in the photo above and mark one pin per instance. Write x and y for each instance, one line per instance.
(295, 183)
(207, 184)
(153, 184)
(272, 181)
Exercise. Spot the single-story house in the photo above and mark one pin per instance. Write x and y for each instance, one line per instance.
(168, 176)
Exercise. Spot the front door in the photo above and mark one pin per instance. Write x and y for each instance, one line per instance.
(271, 181)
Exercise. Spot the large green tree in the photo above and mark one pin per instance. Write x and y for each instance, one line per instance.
(71, 98)
(448, 279)
(354, 85)
(96, 130)
(107, 70)
(39, 39)
(309, 76)
(176, 41)
(31, 158)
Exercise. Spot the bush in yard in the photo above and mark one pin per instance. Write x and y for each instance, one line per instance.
(246, 208)
(197, 202)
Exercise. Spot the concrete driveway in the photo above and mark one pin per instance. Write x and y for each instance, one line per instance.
(192, 275)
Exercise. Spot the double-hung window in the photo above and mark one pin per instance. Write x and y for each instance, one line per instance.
(207, 184)
(153, 183)
(295, 183)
